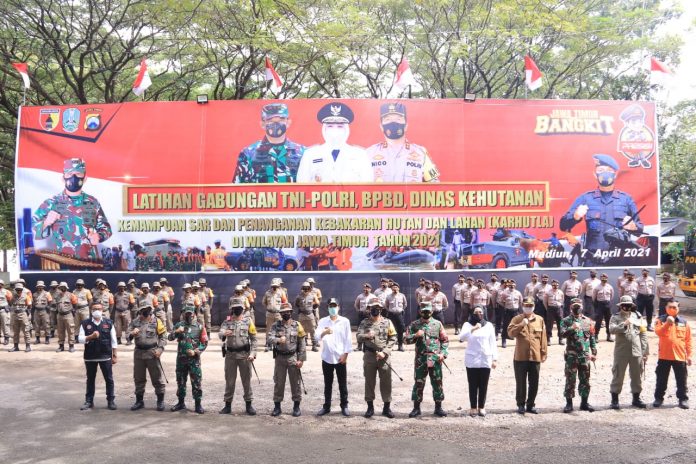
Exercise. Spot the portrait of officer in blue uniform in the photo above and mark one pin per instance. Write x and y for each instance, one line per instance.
(604, 209)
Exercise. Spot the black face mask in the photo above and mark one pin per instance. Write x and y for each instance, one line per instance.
(394, 130)
(375, 311)
(426, 315)
(576, 311)
(237, 311)
(188, 317)
(286, 316)
(146, 313)
(276, 129)
(475, 319)
(73, 183)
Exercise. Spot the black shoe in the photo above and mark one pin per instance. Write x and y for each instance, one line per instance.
(276, 409)
(416, 410)
(227, 409)
(658, 402)
(359, 348)
(585, 406)
(250, 409)
(345, 412)
(456, 331)
(324, 410)
(561, 341)
(532, 410)
(401, 348)
(609, 339)
(129, 342)
(71, 349)
(315, 349)
(296, 409)
(160, 401)
(12, 350)
(139, 404)
(614, 401)
(6, 341)
(569, 406)
(387, 412)
(504, 344)
(60, 348)
(637, 402)
(38, 341)
(438, 410)
(46, 342)
(520, 410)
(119, 342)
(198, 408)
(53, 333)
(86, 406)
(111, 405)
(178, 406)
(28, 348)
(684, 404)
(370, 410)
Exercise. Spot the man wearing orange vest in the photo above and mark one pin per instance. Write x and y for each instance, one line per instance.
(674, 353)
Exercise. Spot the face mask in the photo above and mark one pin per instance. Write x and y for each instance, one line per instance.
(604, 281)
(426, 315)
(335, 137)
(672, 312)
(73, 183)
(276, 129)
(593, 275)
(146, 313)
(286, 316)
(97, 314)
(394, 130)
(475, 319)
(188, 317)
(626, 309)
(374, 312)
(606, 179)
(333, 310)
(527, 309)
(238, 311)
(576, 311)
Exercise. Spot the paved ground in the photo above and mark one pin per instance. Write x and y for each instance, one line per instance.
(40, 421)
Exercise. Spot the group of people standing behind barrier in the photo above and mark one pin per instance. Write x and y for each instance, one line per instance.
(483, 312)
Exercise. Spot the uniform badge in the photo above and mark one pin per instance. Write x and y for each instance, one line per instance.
(71, 120)
(378, 157)
(89, 326)
(336, 110)
(48, 118)
(92, 119)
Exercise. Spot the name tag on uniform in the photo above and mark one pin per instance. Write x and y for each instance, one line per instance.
(318, 160)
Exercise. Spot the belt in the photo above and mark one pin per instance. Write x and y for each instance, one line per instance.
(83, 306)
(285, 353)
(311, 313)
(554, 307)
(241, 350)
(40, 309)
(63, 313)
(20, 310)
(146, 347)
(645, 295)
(273, 311)
(367, 348)
(121, 309)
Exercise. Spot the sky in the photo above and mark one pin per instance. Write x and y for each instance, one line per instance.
(684, 85)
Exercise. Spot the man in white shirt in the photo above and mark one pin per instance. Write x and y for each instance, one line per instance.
(334, 161)
(334, 334)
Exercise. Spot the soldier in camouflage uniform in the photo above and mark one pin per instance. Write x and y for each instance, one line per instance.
(192, 340)
(72, 222)
(307, 303)
(432, 344)
(275, 158)
(238, 334)
(581, 349)
(377, 334)
(104, 297)
(289, 350)
(42, 302)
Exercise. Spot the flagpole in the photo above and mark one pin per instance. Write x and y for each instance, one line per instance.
(24, 96)
(409, 91)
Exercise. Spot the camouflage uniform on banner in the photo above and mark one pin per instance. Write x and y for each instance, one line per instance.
(192, 340)
(431, 342)
(72, 222)
(581, 349)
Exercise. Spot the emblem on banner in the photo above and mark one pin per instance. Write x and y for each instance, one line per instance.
(636, 140)
(93, 119)
(71, 119)
(48, 118)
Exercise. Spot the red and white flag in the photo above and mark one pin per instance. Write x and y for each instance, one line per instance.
(660, 74)
(22, 70)
(404, 76)
(272, 75)
(532, 76)
(142, 82)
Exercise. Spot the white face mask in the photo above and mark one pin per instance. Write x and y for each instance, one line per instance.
(335, 136)
(333, 310)
(97, 314)
(528, 309)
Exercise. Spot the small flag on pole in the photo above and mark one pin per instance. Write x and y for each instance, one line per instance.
(660, 74)
(532, 76)
(22, 70)
(404, 76)
(272, 75)
(142, 82)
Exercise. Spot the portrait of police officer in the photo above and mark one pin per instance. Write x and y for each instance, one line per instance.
(274, 158)
(335, 161)
(605, 210)
(397, 159)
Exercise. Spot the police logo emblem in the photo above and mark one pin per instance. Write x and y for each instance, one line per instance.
(636, 140)
(48, 118)
(92, 119)
(71, 120)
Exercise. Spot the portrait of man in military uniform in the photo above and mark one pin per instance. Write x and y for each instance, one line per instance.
(397, 159)
(604, 209)
(72, 222)
(273, 159)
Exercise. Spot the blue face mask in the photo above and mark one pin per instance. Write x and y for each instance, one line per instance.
(73, 183)
(333, 310)
(606, 179)
(394, 130)
(276, 129)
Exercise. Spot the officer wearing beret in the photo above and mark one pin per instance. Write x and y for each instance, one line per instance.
(397, 159)
(335, 161)
(603, 209)
(273, 159)
(72, 222)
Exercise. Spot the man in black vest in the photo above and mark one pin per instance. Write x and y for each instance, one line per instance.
(99, 337)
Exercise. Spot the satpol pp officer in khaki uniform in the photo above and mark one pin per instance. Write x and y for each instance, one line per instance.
(307, 305)
(289, 350)
(42, 302)
(150, 337)
(19, 317)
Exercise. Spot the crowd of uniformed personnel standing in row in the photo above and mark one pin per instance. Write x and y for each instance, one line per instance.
(483, 313)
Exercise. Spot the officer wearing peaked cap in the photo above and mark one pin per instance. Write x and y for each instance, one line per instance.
(335, 161)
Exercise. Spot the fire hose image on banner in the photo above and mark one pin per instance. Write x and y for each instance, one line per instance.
(337, 185)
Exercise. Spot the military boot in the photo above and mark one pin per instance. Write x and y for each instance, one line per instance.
(561, 341)
(615, 401)
(438, 410)
(637, 402)
(28, 348)
(60, 348)
(16, 348)
(71, 348)
(401, 347)
(585, 406)
(53, 333)
(609, 338)
(139, 404)
(569, 405)
(250, 409)
(416, 410)
(111, 405)
(387, 412)
(38, 340)
(179, 406)
(198, 408)
(46, 341)
(370, 409)
(276, 409)
(227, 409)
(6, 341)
(296, 409)
(160, 401)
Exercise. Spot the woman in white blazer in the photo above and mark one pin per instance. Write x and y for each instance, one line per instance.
(480, 357)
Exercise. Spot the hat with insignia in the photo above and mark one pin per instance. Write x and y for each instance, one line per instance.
(202, 280)
(575, 302)
(195, 284)
(18, 285)
(528, 302)
(163, 280)
(311, 280)
(131, 281)
(285, 307)
(272, 110)
(333, 301)
(76, 165)
(79, 282)
(392, 108)
(605, 160)
(374, 301)
(305, 284)
(426, 306)
(626, 300)
(186, 285)
(632, 112)
(336, 112)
